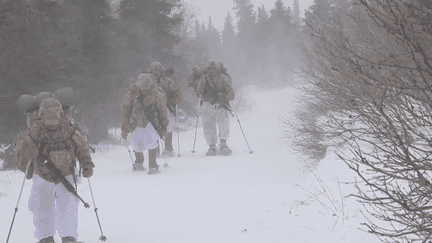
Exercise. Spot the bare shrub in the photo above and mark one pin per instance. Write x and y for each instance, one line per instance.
(373, 75)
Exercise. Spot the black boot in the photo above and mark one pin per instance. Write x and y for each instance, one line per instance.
(49, 239)
(69, 239)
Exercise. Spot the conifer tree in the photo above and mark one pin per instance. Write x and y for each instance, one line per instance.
(228, 33)
(263, 37)
(214, 41)
(230, 46)
(296, 15)
(246, 33)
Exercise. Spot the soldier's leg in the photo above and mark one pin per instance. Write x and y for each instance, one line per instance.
(139, 161)
(224, 130)
(41, 204)
(67, 211)
(209, 123)
(137, 141)
(153, 166)
(209, 128)
(169, 150)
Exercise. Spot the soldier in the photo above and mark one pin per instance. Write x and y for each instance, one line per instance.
(173, 95)
(49, 149)
(215, 90)
(145, 117)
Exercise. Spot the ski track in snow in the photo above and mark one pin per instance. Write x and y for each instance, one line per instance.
(267, 196)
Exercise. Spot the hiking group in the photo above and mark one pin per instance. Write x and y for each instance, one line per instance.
(48, 150)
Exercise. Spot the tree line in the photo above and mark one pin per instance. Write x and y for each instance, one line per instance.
(90, 46)
(96, 46)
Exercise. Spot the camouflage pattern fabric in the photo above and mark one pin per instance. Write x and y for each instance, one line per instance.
(133, 115)
(209, 87)
(64, 144)
(172, 92)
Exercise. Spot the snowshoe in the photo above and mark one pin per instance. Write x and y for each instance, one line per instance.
(168, 153)
(138, 167)
(49, 239)
(224, 150)
(211, 151)
(153, 171)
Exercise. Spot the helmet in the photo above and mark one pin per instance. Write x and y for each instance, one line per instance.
(50, 112)
(213, 68)
(50, 104)
(43, 95)
(153, 66)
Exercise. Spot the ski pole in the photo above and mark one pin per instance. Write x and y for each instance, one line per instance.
(178, 132)
(19, 198)
(196, 126)
(103, 237)
(250, 151)
(163, 154)
(130, 154)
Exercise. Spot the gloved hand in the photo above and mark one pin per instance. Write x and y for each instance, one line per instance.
(163, 133)
(87, 170)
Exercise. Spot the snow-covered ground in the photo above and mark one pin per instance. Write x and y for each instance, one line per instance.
(266, 196)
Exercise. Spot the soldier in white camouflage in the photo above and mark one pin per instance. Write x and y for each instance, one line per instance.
(145, 116)
(215, 90)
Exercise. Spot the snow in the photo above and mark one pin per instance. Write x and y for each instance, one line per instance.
(266, 196)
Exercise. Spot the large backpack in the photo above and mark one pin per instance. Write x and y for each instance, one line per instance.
(200, 70)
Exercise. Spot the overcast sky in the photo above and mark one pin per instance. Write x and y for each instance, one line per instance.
(218, 9)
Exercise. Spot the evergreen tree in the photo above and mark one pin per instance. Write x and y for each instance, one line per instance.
(214, 41)
(246, 34)
(47, 45)
(230, 46)
(281, 37)
(228, 34)
(147, 28)
(318, 12)
(263, 36)
(296, 15)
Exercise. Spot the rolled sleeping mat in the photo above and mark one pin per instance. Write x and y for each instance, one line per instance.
(27, 103)
(41, 96)
(65, 96)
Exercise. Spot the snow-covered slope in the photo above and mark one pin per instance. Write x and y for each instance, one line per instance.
(266, 196)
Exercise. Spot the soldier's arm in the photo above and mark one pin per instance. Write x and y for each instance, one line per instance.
(25, 151)
(126, 112)
(200, 87)
(82, 150)
(228, 89)
(127, 104)
(163, 112)
(175, 92)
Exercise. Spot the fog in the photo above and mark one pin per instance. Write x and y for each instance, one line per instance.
(97, 48)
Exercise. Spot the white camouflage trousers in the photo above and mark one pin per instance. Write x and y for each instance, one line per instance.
(172, 122)
(214, 119)
(144, 138)
(53, 207)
